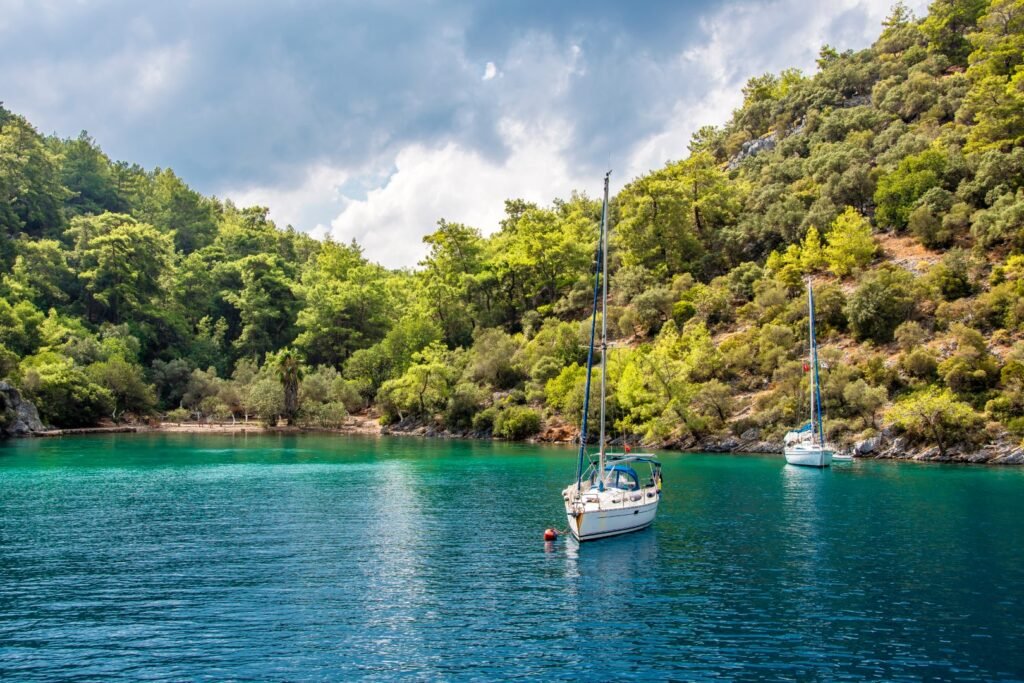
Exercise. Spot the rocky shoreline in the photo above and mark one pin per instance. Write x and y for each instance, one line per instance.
(883, 447)
(19, 418)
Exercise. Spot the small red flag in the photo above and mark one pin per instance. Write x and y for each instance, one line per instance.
(807, 368)
(628, 449)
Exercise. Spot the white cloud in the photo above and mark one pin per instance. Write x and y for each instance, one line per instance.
(490, 71)
(305, 205)
(138, 79)
(457, 184)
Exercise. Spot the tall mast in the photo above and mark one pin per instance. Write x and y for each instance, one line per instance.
(816, 424)
(590, 360)
(604, 321)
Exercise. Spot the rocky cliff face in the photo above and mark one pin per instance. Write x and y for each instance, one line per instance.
(18, 417)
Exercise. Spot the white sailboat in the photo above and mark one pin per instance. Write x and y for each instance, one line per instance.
(807, 445)
(608, 497)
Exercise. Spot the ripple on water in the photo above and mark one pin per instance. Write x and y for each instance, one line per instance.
(171, 558)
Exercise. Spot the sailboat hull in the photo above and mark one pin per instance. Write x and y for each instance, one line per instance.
(595, 522)
(809, 457)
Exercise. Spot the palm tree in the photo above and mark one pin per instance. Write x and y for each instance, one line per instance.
(289, 371)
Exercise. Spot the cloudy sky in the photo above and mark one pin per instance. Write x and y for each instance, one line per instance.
(371, 120)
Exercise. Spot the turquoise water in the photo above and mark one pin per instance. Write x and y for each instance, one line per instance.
(173, 557)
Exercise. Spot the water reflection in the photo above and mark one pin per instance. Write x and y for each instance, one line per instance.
(391, 563)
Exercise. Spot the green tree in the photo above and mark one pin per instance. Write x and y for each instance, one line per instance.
(540, 255)
(120, 264)
(172, 206)
(936, 415)
(899, 190)
(884, 298)
(995, 101)
(1008, 406)
(491, 359)
(265, 397)
(668, 218)
(31, 194)
(348, 306)
(389, 358)
(812, 256)
(947, 25)
(289, 371)
(851, 245)
(266, 304)
(86, 172)
(40, 273)
(450, 273)
(20, 327)
(424, 388)
(126, 385)
(714, 401)
(65, 395)
(170, 379)
(864, 400)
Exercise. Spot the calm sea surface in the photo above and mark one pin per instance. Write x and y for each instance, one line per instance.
(173, 557)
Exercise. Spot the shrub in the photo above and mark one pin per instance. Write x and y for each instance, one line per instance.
(328, 415)
(683, 311)
(8, 363)
(516, 423)
(972, 369)
(490, 359)
(463, 406)
(829, 305)
(347, 393)
(927, 221)
(741, 281)
(125, 383)
(910, 335)
(951, 276)
(883, 299)
(177, 415)
(266, 399)
(484, 420)
(713, 303)
(1001, 222)
(919, 363)
(652, 308)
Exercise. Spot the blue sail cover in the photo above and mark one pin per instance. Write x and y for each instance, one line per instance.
(805, 428)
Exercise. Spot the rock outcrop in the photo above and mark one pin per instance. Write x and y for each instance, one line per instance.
(867, 446)
(18, 417)
(1004, 451)
(752, 148)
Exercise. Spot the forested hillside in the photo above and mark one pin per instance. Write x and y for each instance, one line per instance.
(893, 177)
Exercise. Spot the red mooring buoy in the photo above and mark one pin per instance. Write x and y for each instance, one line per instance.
(550, 535)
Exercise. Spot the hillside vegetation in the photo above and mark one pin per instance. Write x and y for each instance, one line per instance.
(893, 177)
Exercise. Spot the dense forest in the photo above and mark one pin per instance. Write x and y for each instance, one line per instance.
(893, 177)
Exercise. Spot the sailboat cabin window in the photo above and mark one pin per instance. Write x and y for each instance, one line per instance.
(621, 477)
